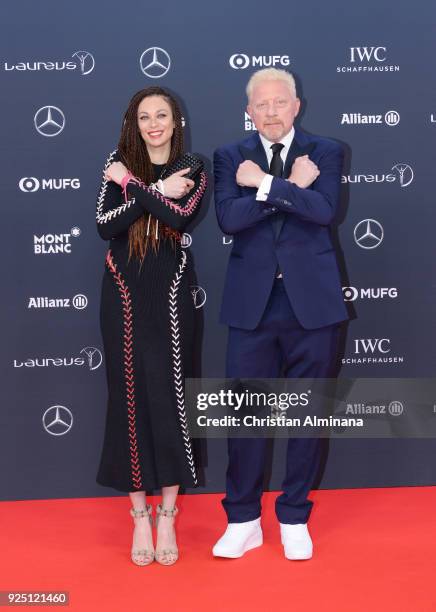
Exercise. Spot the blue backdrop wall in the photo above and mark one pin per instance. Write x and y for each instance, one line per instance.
(366, 74)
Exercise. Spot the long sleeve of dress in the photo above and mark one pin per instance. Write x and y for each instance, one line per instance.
(115, 214)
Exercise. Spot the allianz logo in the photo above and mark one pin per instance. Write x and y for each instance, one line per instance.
(89, 357)
(390, 118)
(30, 184)
(403, 174)
(360, 408)
(79, 302)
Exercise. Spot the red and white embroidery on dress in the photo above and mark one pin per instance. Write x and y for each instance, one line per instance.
(177, 364)
(128, 369)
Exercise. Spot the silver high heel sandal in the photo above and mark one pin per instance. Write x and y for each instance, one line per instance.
(166, 556)
(142, 556)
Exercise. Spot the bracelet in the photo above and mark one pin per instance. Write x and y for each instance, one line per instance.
(126, 178)
(158, 186)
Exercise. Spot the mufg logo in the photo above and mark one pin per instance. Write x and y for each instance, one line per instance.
(239, 61)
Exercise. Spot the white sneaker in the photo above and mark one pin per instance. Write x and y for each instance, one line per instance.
(238, 538)
(296, 541)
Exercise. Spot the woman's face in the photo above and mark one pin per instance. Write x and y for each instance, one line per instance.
(155, 122)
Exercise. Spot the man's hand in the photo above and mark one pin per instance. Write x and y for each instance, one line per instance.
(249, 174)
(303, 172)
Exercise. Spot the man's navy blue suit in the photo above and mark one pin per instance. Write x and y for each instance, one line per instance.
(279, 327)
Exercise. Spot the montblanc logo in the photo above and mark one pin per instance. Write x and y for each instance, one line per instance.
(53, 244)
(390, 118)
(372, 351)
(89, 357)
(79, 302)
(248, 123)
(83, 62)
(400, 173)
(351, 294)
(240, 61)
(30, 184)
(368, 59)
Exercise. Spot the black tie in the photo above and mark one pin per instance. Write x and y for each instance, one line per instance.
(276, 165)
(276, 169)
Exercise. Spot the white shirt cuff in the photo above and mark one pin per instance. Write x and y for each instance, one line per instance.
(264, 187)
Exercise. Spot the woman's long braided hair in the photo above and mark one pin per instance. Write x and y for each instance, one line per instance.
(135, 156)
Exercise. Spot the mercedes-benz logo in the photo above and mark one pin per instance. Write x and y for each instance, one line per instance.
(94, 357)
(57, 420)
(368, 234)
(198, 296)
(87, 61)
(155, 62)
(49, 121)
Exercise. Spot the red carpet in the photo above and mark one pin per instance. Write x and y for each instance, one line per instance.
(375, 549)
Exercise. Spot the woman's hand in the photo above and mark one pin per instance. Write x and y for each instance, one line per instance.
(116, 172)
(176, 186)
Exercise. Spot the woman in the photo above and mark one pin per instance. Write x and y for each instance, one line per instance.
(147, 317)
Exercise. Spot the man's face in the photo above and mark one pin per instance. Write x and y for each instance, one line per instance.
(273, 108)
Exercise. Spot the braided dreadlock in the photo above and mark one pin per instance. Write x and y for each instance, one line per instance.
(135, 157)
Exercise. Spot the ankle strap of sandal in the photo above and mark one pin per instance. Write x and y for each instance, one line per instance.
(167, 511)
(147, 511)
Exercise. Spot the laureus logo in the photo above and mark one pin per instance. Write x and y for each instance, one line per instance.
(84, 62)
(198, 296)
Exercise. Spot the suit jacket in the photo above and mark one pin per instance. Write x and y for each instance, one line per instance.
(302, 246)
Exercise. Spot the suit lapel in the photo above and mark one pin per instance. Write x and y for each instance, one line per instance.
(295, 150)
(255, 153)
(253, 150)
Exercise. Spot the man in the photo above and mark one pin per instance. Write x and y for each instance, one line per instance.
(277, 193)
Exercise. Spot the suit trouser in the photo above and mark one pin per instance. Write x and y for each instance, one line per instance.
(278, 348)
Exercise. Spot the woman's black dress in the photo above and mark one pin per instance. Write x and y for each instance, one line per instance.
(147, 322)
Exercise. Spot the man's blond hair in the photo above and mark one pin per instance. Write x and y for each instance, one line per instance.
(271, 74)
